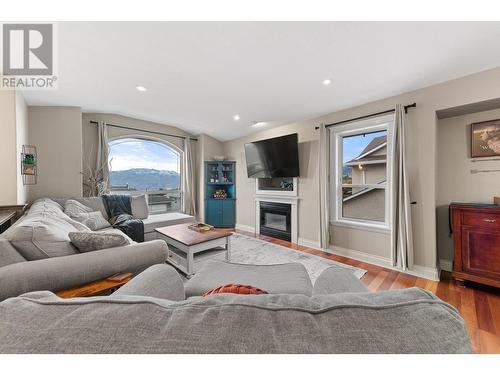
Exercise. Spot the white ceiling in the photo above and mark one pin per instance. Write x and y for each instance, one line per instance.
(200, 75)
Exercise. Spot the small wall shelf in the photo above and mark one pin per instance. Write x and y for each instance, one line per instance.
(29, 169)
(220, 193)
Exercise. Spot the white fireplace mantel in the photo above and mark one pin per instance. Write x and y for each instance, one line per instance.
(278, 199)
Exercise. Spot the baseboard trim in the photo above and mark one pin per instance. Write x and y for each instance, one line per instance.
(419, 271)
(309, 243)
(358, 255)
(245, 228)
(424, 272)
(446, 265)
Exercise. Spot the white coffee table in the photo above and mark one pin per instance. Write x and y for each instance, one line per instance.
(186, 246)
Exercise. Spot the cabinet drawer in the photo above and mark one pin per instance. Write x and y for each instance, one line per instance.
(481, 219)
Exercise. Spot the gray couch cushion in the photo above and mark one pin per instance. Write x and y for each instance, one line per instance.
(275, 279)
(43, 232)
(163, 220)
(337, 280)
(70, 271)
(8, 254)
(45, 205)
(92, 241)
(159, 281)
(398, 321)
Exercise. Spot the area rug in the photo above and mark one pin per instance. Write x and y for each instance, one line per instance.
(248, 250)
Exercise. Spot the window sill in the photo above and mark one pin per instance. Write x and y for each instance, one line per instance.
(361, 226)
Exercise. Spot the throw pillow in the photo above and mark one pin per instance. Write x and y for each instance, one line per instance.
(139, 207)
(93, 220)
(235, 289)
(91, 241)
(73, 207)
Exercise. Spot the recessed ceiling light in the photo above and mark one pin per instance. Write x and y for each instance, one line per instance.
(236, 117)
(258, 124)
(327, 81)
(141, 88)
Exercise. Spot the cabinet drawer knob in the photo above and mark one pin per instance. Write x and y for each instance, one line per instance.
(490, 220)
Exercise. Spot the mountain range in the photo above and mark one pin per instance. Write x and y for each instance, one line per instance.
(145, 179)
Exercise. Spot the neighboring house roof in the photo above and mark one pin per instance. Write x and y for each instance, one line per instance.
(361, 192)
(371, 159)
(366, 157)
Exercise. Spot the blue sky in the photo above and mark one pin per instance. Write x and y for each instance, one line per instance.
(353, 146)
(130, 153)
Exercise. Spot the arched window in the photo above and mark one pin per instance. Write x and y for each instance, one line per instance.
(147, 166)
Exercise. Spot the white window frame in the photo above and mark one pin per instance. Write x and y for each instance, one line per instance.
(337, 133)
(176, 149)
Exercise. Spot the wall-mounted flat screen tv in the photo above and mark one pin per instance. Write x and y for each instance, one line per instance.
(275, 157)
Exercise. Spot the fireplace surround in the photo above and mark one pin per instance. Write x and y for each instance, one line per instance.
(275, 220)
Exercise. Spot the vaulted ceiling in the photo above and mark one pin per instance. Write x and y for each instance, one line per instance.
(200, 75)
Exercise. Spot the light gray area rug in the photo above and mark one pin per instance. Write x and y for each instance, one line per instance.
(248, 250)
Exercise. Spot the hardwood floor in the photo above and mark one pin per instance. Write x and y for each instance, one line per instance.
(478, 305)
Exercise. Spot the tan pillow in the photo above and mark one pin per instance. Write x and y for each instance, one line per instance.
(93, 220)
(139, 207)
(73, 207)
(91, 241)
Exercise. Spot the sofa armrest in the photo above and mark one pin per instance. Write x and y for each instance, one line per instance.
(74, 270)
(159, 281)
(336, 280)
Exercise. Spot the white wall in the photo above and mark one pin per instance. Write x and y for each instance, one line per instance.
(206, 148)
(57, 134)
(422, 164)
(21, 139)
(8, 157)
(13, 134)
(455, 182)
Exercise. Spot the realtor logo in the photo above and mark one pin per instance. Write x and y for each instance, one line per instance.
(27, 49)
(28, 61)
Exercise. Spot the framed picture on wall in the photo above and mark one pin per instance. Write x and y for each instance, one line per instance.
(485, 139)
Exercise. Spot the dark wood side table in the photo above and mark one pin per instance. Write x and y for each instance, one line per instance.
(9, 215)
(7, 218)
(97, 287)
(476, 241)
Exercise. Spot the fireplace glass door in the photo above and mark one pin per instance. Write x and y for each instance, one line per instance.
(275, 220)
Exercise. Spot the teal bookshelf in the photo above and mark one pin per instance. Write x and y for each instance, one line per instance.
(220, 193)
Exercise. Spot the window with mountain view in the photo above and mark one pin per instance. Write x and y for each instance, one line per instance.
(360, 188)
(145, 166)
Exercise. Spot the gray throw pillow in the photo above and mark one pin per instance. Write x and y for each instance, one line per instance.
(91, 241)
(93, 220)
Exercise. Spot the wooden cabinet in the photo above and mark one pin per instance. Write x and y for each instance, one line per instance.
(476, 242)
(220, 181)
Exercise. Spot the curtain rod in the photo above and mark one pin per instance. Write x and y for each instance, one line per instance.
(146, 131)
(412, 105)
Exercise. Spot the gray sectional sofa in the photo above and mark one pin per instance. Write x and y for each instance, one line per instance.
(36, 253)
(150, 314)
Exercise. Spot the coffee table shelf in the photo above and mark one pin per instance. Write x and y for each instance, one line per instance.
(179, 259)
(187, 248)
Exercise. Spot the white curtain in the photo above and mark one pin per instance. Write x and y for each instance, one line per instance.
(102, 165)
(189, 177)
(324, 193)
(402, 240)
